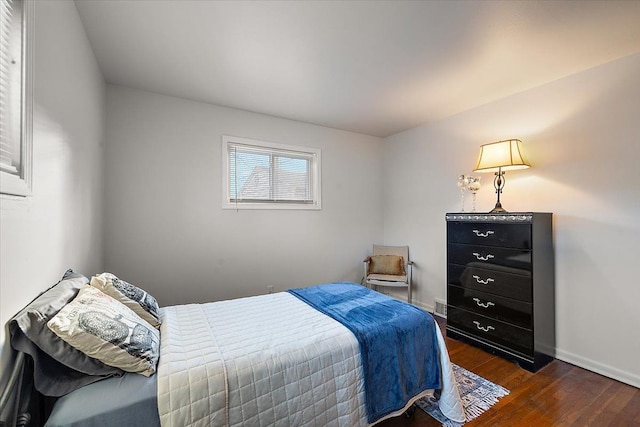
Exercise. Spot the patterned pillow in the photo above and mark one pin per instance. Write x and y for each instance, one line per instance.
(142, 303)
(58, 367)
(101, 327)
(392, 265)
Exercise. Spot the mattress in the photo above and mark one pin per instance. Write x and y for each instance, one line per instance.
(127, 401)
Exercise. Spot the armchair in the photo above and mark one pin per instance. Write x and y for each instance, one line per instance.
(389, 266)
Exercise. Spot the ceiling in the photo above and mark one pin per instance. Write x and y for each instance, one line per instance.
(372, 67)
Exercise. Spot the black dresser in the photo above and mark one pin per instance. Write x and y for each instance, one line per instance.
(500, 284)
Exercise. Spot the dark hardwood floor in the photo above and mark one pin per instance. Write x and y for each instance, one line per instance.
(559, 394)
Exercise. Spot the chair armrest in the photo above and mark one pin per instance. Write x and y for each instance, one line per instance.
(366, 262)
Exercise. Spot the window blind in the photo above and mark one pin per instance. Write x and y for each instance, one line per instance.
(264, 174)
(11, 72)
(16, 96)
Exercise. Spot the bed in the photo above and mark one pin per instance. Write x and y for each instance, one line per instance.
(290, 358)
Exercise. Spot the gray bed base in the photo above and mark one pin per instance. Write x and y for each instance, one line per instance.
(129, 400)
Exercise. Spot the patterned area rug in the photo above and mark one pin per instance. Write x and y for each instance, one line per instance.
(477, 394)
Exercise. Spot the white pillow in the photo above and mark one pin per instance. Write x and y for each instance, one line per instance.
(138, 300)
(102, 328)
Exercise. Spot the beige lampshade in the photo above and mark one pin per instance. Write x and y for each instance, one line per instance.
(504, 155)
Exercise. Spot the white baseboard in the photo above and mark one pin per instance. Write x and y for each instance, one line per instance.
(425, 307)
(403, 298)
(599, 368)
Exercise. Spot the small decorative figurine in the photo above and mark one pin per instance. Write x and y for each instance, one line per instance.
(463, 182)
(473, 186)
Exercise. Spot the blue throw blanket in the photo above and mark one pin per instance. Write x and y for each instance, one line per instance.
(398, 342)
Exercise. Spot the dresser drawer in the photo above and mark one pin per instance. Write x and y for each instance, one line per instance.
(493, 280)
(490, 234)
(504, 309)
(519, 260)
(490, 330)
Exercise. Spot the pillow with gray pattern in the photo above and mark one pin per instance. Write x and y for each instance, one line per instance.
(103, 328)
(141, 302)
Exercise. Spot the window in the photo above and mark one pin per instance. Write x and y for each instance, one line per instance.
(264, 175)
(16, 30)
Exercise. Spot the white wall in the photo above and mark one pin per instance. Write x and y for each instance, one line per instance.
(166, 230)
(60, 225)
(582, 136)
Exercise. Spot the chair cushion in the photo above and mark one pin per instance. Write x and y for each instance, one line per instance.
(387, 278)
(392, 265)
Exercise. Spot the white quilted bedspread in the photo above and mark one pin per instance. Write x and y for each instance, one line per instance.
(269, 360)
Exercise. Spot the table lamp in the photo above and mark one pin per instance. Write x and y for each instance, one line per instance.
(499, 157)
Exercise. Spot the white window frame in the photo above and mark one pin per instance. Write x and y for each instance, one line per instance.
(19, 183)
(314, 171)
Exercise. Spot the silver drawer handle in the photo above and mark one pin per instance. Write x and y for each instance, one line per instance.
(483, 305)
(482, 258)
(483, 282)
(483, 328)
(481, 234)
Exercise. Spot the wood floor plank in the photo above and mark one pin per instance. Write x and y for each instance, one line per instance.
(567, 400)
(630, 414)
(615, 397)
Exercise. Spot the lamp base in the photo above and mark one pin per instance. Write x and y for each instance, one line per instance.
(498, 183)
(498, 209)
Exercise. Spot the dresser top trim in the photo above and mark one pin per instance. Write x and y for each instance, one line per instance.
(503, 217)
